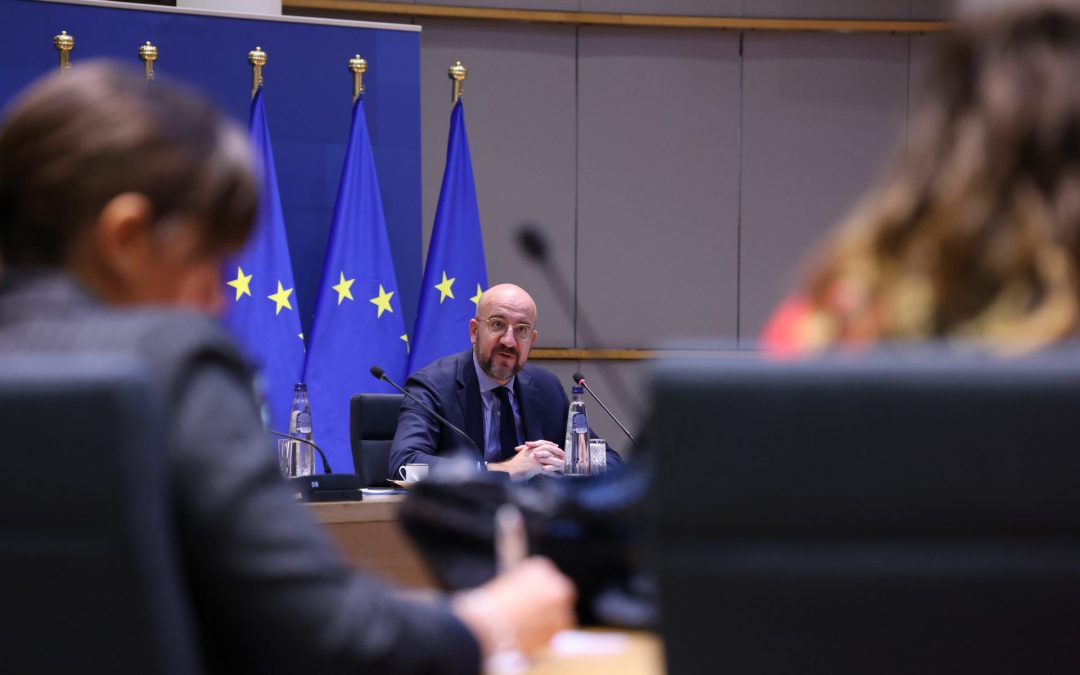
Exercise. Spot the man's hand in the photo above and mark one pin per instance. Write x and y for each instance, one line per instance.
(520, 609)
(532, 458)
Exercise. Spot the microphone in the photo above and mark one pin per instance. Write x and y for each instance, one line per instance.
(380, 374)
(328, 487)
(580, 379)
(534, 245)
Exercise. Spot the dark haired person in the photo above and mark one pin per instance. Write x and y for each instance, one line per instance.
(118, 204)
(975, 233)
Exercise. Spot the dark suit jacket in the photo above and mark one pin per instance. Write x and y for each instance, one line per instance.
(269, 592)
(449, 386)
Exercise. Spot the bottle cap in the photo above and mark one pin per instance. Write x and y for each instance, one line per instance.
(578, 389)
(300, 386)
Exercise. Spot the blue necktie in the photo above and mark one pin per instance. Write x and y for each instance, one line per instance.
(508, 439)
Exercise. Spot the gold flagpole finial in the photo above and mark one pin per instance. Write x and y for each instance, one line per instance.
(458, 75)
(64, 43)
(358, 66)
(148, 53)
(257, 58)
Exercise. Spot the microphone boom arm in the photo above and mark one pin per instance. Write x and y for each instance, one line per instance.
(380, 374)
(582, 382)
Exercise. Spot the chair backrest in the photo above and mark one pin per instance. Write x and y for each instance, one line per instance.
(892, 514)
(373, 420)
(89, 574)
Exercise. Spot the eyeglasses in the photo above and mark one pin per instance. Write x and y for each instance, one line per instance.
(523, 332)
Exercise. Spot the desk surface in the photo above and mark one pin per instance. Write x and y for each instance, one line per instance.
(372, 540)
(373, 508)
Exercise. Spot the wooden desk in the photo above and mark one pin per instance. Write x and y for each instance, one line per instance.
(372, 540)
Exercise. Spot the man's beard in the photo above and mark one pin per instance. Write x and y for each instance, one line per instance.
(500, 373)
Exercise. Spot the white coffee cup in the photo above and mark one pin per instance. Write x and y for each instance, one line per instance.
(410, 473)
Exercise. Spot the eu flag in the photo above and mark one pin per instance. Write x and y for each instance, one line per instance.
(358, 321)
(262, 312)
(455, 273)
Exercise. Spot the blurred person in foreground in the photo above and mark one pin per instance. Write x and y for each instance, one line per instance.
(975, 233)
(119, 203)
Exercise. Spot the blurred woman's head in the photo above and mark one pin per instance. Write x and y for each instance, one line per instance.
(138, 189)
(976, 231)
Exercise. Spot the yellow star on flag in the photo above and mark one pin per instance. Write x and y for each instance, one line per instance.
(281, 298)
(405, 339)
(344, 288)
(383, 301)
(445, 288)
(242, 283)
(476, 298)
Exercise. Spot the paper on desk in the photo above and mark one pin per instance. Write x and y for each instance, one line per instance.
(584, 643)
(565, 644)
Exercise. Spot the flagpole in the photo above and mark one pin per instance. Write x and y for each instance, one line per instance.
(358, 317)
(456, 252)
(458, 73)
(148, 53)
(64, 43)
(264, 316)
(257, 58)
(358, 66)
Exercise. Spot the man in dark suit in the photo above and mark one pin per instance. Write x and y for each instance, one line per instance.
(514, 413)
(119, 202)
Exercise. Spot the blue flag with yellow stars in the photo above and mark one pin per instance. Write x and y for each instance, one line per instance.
(358, 321)
(455, 274)
(261, 303)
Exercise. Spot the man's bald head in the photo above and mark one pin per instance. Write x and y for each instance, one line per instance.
(506, 295)
(503, 331)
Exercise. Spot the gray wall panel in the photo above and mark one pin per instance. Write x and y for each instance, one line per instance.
(623, 145)
(685, 7)
(820, 116)
(829, 9)
(520, 114)
(550, 5)
(658, 184)
(937, 10)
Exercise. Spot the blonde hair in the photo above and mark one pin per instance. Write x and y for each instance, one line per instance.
(975, 233)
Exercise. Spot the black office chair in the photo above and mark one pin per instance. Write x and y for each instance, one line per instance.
(905, 513)
(373, 420)
(89, 577)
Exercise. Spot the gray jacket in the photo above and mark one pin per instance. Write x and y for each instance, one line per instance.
(268, 590)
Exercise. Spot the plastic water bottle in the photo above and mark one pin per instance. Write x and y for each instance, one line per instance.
(303, 455)
(576, 448)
